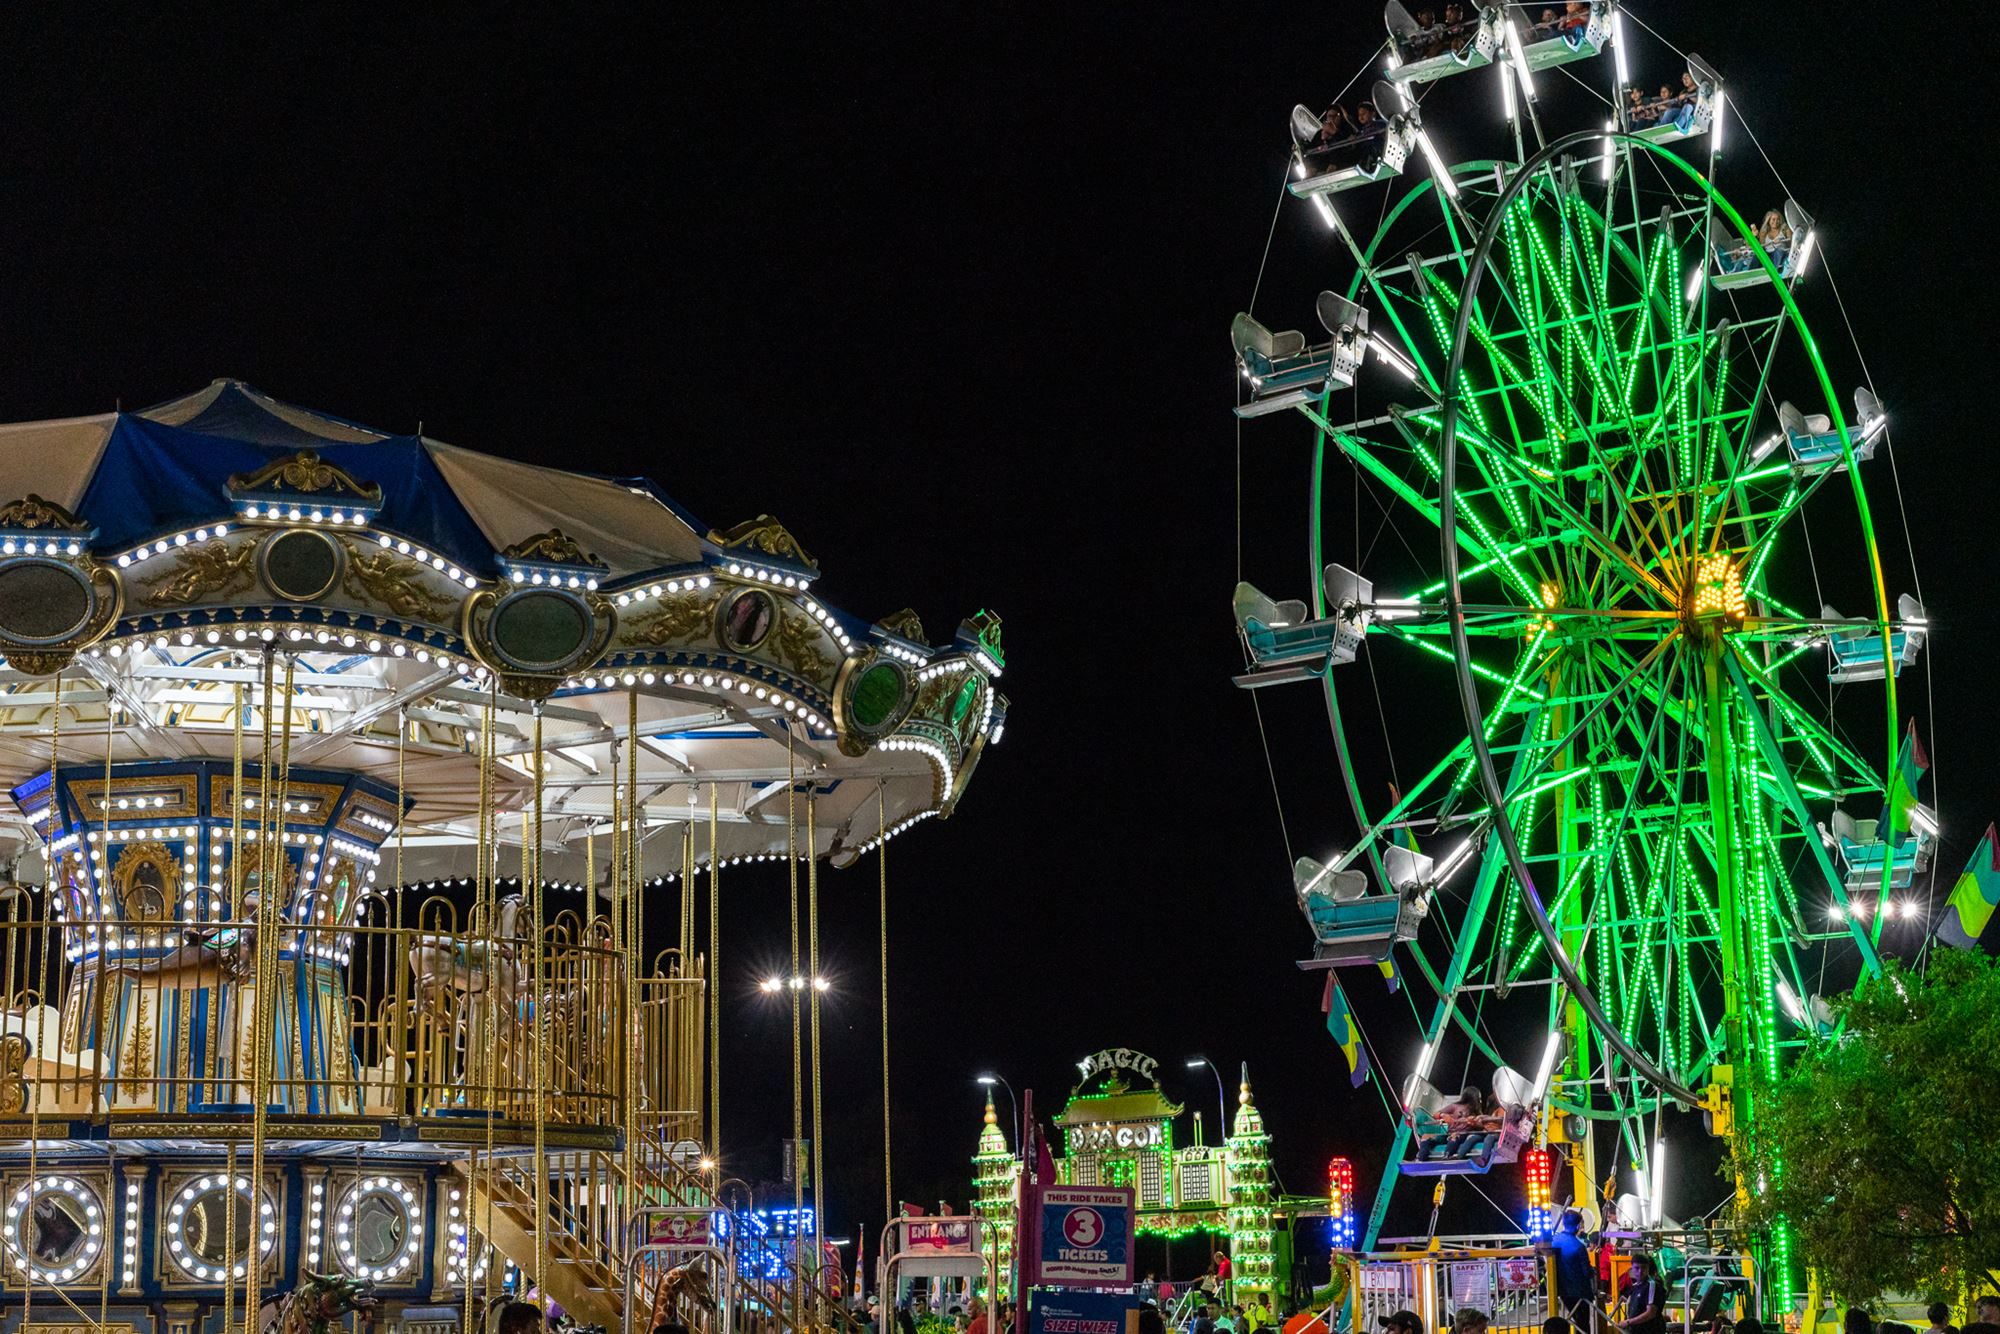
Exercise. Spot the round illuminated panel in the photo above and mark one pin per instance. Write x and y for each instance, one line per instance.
(748, 619)
(377, 1231)
(200, 1238)
(301, 565)
(55, 1226)
(42, 602)
(877, 692)
(540, 630)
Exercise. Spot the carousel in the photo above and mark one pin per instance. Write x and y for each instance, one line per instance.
(370, 800)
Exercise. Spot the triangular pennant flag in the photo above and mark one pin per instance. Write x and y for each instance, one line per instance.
(1390, 975)
(1911, 765)
(1340, 1023)
(1974, 897)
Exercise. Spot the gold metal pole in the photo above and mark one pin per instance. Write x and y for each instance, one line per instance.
(793, 985)
(812, 937)
(882, 865)
(541, 1007)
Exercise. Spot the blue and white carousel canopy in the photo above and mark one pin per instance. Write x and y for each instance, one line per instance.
(147, 560)
(135, 475)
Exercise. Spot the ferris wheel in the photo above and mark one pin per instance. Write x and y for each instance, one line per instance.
(1609, 478)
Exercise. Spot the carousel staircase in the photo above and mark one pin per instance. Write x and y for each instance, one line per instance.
(585, 1275)
(588, 1259)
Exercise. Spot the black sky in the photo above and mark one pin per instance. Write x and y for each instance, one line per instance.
(946, 290)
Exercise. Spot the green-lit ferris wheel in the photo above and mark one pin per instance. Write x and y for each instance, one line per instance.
(1614, 489)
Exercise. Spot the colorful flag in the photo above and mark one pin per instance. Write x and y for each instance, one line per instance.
(1341, 1024)
(1974, 897)
(1911, 765)
(1389, 973)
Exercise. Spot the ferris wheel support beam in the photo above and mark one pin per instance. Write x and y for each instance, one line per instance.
(1454, 978)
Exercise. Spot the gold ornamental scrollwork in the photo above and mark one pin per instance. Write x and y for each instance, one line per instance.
(396, 582)
(147, 879)
(31, 511)
(905, 624)
(679, 619)
(308, 474)
(555, 547)
(108, 600)
(798, 646)
(13, 1086)
(764, 534)
(210, 569)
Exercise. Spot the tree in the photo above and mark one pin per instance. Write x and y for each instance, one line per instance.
(1881, 1147)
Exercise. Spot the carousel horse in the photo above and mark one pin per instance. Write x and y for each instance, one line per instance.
(318, 1305)
(206, 957)
(682, 1283)
(445, 964)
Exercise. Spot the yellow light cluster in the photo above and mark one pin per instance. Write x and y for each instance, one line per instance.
(1718, 588)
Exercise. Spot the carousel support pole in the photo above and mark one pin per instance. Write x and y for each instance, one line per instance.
(542, 1003)
(812, 944)
(795, 1167)
(882, 866)
(711, 976)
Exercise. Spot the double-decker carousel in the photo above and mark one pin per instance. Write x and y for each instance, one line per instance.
(371, 797)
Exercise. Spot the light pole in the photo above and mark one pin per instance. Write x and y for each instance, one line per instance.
(1221, 1098)
(989, 1081)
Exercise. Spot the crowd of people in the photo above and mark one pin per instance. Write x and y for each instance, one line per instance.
(1774, 235)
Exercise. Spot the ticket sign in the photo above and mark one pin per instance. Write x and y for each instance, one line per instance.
(1086, 1235)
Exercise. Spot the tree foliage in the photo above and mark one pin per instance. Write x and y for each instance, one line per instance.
(1889, 1137)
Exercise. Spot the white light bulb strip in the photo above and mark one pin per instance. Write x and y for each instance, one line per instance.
(404, 547)
(93, 1213)
(555, 579)
(327, 514)
(897, 651)
(128, 1263)
(51, 547)
(833, 626)
(930, 750)
(687, 585)
(708, 680)
(146, 551)
(778, 578)
(315, 1221)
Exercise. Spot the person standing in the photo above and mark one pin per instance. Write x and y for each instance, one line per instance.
(1221, 1273)
(1645, 1298)
(1576, 1277)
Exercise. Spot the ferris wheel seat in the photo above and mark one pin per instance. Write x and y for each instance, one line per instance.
(1418, 54)
(1284, 645)
(1863, 851)
(1357, 931)
(1857, 654)
(1353, 163)
(1283, 372)
(1580, 42)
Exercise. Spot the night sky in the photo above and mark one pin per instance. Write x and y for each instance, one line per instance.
(945, 291)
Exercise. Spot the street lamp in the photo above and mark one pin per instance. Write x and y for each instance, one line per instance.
(770, 986)
(989, 1081)
(1221, 1098)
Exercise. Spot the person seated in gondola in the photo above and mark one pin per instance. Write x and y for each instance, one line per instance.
(1459, 1117)
(1775, 237)
(1368, 124)
(1428, 40)
(1458, 34)
(1545, 26)
(1639, 113)
(1335, 128)
(1576, 17)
